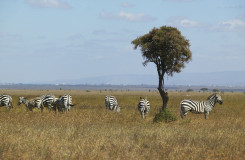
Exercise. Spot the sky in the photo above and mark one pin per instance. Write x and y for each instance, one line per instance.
(48, 40)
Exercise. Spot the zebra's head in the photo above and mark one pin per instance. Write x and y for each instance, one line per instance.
(218, 98)
(21, 100)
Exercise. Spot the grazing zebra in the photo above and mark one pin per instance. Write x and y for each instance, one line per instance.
(144, 107)
(30, 104)
(64, 102)
(6, 100)
(49, 101)
(199, 107)
(111, 103)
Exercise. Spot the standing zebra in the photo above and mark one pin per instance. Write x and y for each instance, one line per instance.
(30, 104)
(6, 100)
(144, 107)
(49, 101)
(111, 103)
(64, 102)
(199, 107)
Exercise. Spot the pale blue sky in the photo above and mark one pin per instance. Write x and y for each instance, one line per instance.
(47, 40)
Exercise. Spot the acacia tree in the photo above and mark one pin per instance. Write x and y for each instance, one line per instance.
(168, 49)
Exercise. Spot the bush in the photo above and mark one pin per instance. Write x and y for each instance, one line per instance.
(189, 90)
(164, 116)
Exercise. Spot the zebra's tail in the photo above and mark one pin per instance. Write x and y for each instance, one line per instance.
(11, 105)
(143, 115)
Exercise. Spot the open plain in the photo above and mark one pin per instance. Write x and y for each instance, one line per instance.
(89, 131)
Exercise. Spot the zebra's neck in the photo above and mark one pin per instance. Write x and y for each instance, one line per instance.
(212, 101)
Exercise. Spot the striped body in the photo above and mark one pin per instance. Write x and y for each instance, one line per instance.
(32, 103)
(6, 100)
(143, 107)
(205, 107)
(111, 103)
(64, 102)
(49, 101)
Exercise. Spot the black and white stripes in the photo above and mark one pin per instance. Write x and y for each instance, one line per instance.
(49, 101)
(143, 107)
(205, 107)
(6, 100)
(111, 103)
(64, 103)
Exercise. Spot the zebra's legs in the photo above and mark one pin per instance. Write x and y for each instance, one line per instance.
(182, 113)
(11, 105)
(68, 108)
(27, 108)
(39, 108)
(143, 115)
(7, 107)
(206, 115)
(49, 108)
(147, 111)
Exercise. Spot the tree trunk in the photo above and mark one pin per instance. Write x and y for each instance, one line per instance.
(163, 94)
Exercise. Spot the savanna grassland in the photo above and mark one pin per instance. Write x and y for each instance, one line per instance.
(89, 131)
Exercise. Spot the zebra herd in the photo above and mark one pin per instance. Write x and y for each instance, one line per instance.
(64, 103)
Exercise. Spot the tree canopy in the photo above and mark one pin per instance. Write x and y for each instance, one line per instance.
(165, 47)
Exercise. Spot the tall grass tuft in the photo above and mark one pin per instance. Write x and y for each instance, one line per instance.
(164, 115)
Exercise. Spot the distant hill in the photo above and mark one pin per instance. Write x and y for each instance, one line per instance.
(227, 78)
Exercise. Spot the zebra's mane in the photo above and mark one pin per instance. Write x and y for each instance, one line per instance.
(211, 96)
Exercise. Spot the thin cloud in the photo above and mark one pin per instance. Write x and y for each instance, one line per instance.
(140, 17)
(183, 22)
(75, 37)
(48, 4)
(234, 25)
(127, 5)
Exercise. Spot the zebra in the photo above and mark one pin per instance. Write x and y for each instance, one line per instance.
(65, 102)
(30, 104)
(49, 101)
(111, 103)
(199, 106)
(6, 100)
(144, 107)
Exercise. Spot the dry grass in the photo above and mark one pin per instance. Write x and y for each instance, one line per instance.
(91, 132)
